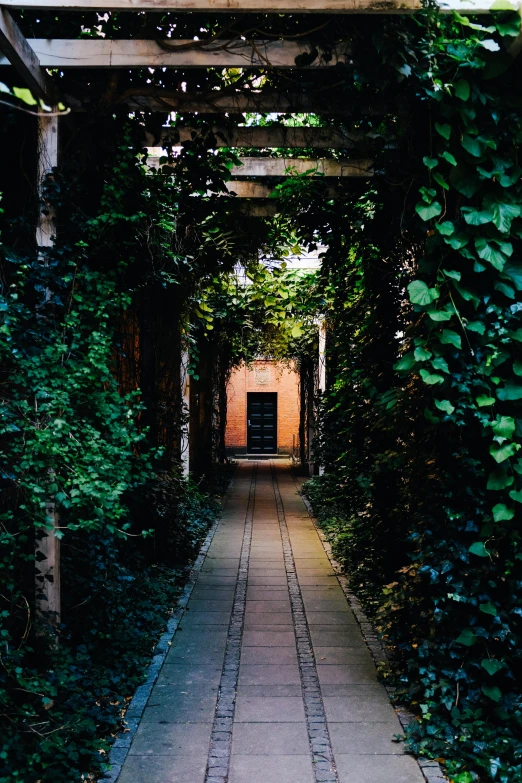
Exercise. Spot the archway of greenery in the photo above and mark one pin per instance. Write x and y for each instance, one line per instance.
(419, 428)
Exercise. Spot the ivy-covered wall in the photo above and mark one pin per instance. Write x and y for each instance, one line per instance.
(421, 421)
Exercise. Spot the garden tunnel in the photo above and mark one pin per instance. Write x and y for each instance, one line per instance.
(162, 162)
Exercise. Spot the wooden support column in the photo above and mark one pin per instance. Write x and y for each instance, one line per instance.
(48, 600)
(185, 422)
(322, 368)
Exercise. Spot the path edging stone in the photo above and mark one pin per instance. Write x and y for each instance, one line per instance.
(431, 770)
(121, 746)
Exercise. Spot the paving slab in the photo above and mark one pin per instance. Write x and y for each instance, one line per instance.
(357, 709)
(350, 674)
(342, 655)
(271, 769)
(274, 656)
(164, 769)
(268, 674)
(375, 739)
(267, 709)
(171, 739)
(268, 638)
(377, 769)
(173, 706)
(267, 739)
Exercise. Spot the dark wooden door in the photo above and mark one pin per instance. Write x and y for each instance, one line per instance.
(262, 422)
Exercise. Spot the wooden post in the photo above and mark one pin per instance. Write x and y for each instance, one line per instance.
(185, 423)
(322, 368)
(48, 600)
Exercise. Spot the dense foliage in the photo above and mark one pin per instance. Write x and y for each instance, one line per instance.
(422, 417)
(78, 458)
(420, 427)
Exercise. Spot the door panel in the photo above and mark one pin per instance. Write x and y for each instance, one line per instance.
(262, 422)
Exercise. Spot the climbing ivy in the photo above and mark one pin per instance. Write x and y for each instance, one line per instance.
(423, 487)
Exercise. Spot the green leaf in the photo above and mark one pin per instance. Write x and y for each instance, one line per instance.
(428, 211)
(503, 451)
(296, 331)
(440, 364)
(445, 405)
(478, 549)
(517, 367)
(483, 400)
(511, 391)
(462, 89)
(405, 363)
(509, 26)
(490, 254)
(431, 379)
(447, 228)
(499, 479)
(513, 269)
(430, 162)
(452, 273)
(464, 180)
(464, 777)
(25, 95)
(458, 241)
(504, 426)
(491, 665)
(439, 315)
(467, 637)
(476, 217)
(476, 326)
(503, 214)
(439, 179)
(422, 355)
(501, 513)
(488, 608)
(473, 145)
(449, 157)
(492, 692)
(443, 130)
(516, 496)
(420, 293)
(449, 337)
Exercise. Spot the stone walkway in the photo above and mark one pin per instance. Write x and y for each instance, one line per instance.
(268, 679)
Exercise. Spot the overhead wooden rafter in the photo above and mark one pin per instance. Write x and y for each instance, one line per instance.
(244, 189)
(263, 6)
(284, 167)
(23, 58)
(263, 102)
(102, 53)
(269, 136)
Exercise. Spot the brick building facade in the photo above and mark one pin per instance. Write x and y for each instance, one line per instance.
(246, 386)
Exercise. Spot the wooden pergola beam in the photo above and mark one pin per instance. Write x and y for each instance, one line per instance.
(22, 57)
(244, 189)
(263, 6)
(279, 136)
(319, 167)
(262, 102)
(287, 167)
(102, 53)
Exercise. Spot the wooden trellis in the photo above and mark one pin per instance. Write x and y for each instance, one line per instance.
(32, 57)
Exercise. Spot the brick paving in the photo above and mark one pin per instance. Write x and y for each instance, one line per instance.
(268, 679)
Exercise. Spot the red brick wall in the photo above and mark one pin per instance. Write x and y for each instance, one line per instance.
(246, 379)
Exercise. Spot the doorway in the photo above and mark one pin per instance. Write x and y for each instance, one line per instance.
(262, 422)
